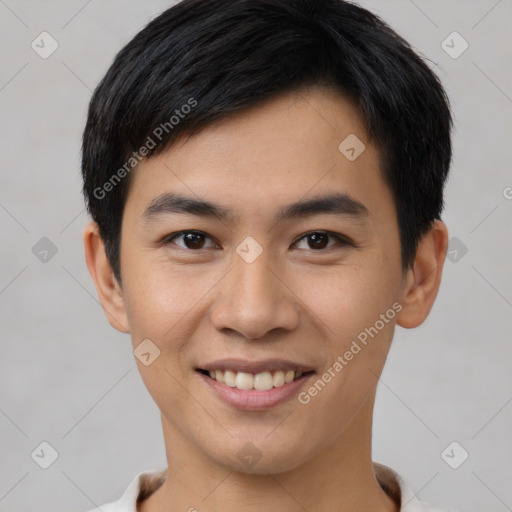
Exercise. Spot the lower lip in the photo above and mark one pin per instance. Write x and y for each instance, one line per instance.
(253, 400)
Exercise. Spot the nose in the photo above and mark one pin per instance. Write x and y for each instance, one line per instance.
(255, 299)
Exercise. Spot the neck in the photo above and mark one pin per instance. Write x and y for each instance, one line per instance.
(340, 479)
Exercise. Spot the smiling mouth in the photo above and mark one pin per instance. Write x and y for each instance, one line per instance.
(263, 381)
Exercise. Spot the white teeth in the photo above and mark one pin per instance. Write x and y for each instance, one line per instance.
(230, 379)
(219, 376)
(278, 379)
(244, 380)
(263, 381)
(260, 381)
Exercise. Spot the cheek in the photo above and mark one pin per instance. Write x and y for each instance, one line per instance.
(157, 304)
(354, 311)
(153, 290)
(345, 301)
(356, 360)
(166, 302)
(154, 302)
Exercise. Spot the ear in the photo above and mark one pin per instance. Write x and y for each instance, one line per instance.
(109, 291)
(422, 280)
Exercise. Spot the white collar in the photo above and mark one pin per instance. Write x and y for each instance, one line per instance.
(128, 501)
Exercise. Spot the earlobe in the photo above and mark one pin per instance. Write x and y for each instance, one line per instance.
(422, 281)
(109, 291)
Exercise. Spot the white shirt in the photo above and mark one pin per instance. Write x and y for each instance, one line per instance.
(146, 479)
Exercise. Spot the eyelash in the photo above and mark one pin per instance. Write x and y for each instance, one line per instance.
(342, 240)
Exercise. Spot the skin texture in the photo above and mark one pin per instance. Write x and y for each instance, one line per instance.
(293, 302)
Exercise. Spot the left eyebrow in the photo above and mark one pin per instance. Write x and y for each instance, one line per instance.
(333, 204)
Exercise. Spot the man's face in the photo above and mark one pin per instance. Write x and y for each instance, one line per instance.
(213, 301)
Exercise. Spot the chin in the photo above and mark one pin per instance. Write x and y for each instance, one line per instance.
(262, 457)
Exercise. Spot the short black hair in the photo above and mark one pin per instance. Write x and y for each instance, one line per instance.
(203, 60)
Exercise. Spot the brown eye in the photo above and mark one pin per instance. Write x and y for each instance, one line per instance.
(318, 240)
(193, 240)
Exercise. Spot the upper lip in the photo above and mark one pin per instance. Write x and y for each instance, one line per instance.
(266, 365)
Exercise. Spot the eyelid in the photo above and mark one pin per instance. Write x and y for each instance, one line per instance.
(167, 239)
(341, 239)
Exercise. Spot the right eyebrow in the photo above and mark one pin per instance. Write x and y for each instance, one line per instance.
(176, 203)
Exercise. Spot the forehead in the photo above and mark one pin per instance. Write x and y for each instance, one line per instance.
(299, 143)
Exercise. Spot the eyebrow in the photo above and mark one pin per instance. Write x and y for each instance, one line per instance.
(333, 204)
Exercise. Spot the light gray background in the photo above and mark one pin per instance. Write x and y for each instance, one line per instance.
(69, 379)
